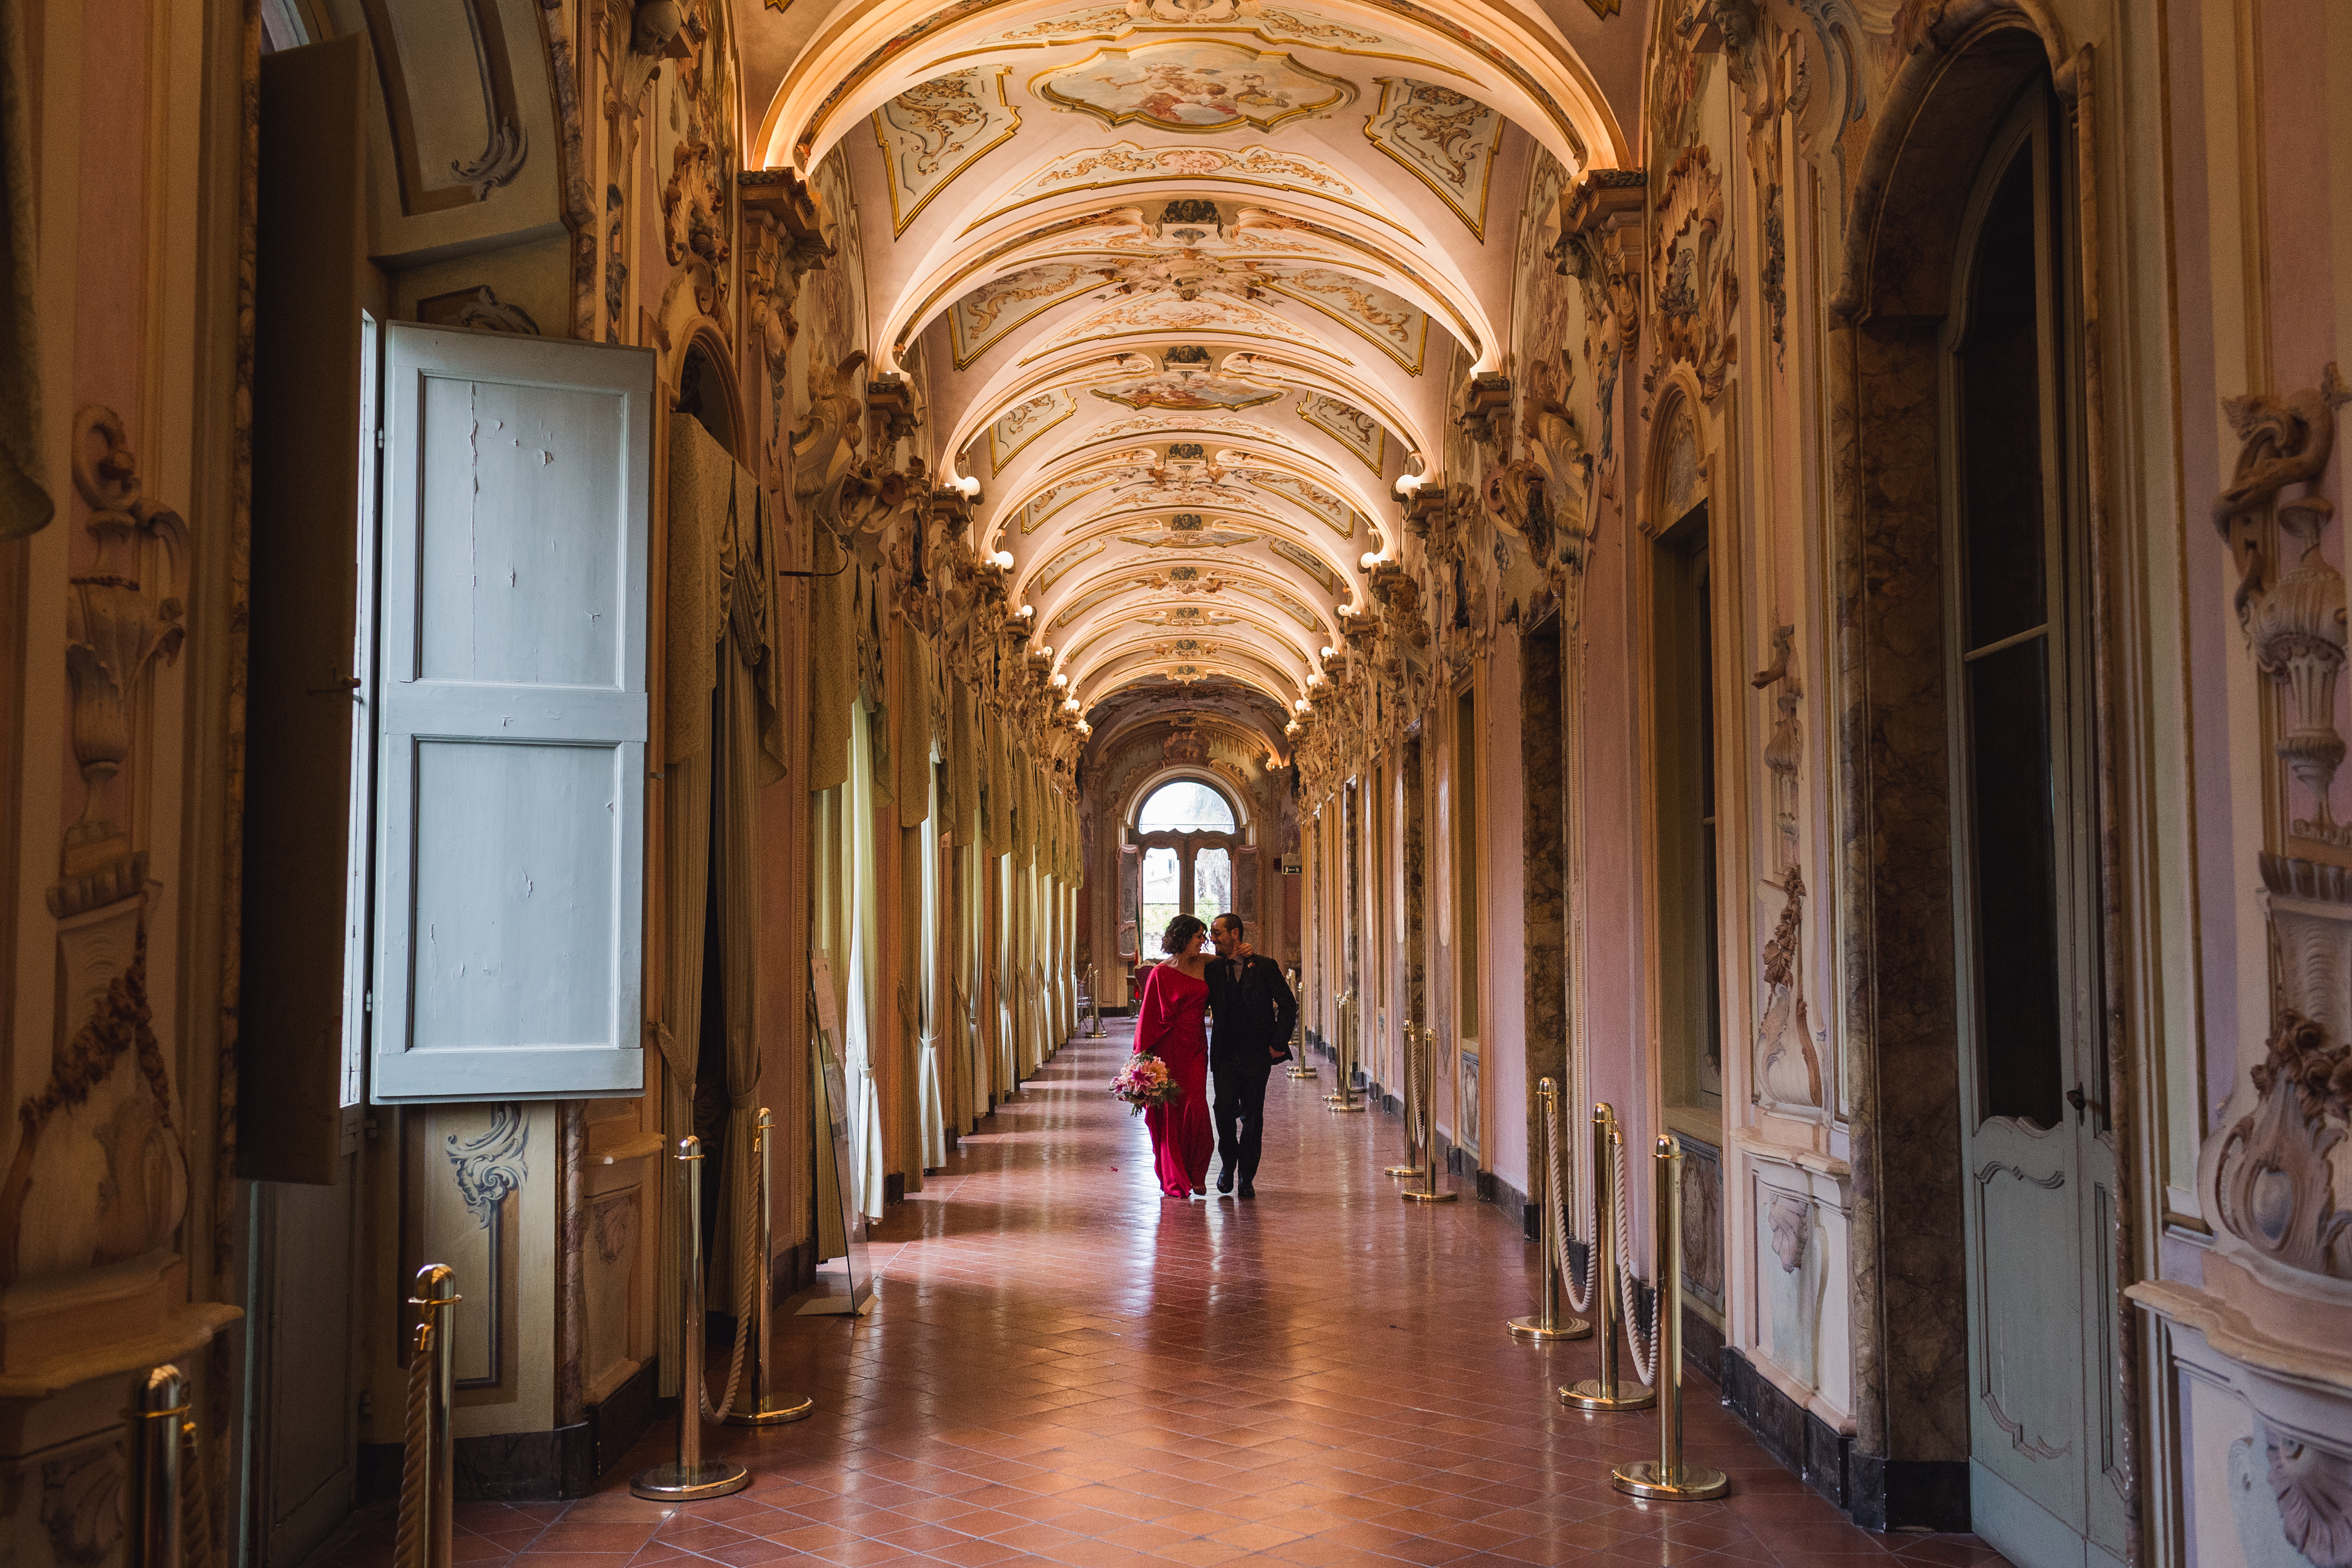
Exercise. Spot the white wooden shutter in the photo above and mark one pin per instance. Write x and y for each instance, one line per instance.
(512, 715)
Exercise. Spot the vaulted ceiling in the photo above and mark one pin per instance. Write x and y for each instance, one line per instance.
(1194, 284)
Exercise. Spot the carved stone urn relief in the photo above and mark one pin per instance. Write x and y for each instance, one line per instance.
(100, 1175)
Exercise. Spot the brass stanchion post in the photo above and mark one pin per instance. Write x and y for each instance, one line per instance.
(692, 1477)
(1413, 1108)
(1670, 1480)
(1428, 1076)
(1605, 1392)
(1300, 1066)
(1346, 1100)
(754, 1406)
(159, 1408)
(429, 1471)
(1548, 1321)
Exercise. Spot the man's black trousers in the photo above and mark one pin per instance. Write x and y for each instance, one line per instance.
(1240, 1107)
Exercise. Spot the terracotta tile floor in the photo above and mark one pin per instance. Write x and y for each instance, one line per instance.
(1064, 1367)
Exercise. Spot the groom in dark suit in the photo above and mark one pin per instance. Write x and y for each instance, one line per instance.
(1254, 1013)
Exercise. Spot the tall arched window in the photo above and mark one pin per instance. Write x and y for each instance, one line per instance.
(1186, 833)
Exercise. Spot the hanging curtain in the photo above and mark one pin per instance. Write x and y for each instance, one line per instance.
(862, 1016)
(999, 805)
(701, 483)
(962, 795)
(746, 753)
(832, 662)
(931, 1113)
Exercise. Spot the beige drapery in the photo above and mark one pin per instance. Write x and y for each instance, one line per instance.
(720, 633)
(700, 485)
(998, 807)
(832, 663)
(960, 797)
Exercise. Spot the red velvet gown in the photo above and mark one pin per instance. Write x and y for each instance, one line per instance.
(1168, 1025)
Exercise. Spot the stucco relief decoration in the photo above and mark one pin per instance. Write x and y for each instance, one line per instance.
(1127, 162)
(934, 131)
(1694, 288)
(1445, 138)
(100, 1171)
(1788, 1065)
(2294, 617)
(490, 1168)
(788, 236)
(1197, 85)
(1178, 537)
(83, 1503)
(2313, 1490)
(855, 498)
(2276, 1183)
(694, 216)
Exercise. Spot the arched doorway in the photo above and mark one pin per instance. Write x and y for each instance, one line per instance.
(1984, 1161)
(1186, 833)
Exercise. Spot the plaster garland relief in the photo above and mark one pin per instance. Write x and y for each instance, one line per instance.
(100, 1174)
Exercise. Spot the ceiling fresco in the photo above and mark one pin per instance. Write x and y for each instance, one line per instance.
(1198, 288)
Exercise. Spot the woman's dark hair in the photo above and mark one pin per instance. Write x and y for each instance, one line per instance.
(1180, 932)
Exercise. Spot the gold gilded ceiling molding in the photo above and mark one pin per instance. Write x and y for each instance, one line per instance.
(935, 131)
(1364, 437)
(1295, 24)
(1193, 85)
(1444, 139)
(1012, 432)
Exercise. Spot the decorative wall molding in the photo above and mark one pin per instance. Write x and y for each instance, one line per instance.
(83, 1501)
(490, 1166)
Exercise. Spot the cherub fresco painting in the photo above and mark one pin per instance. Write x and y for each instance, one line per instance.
(1193, 86)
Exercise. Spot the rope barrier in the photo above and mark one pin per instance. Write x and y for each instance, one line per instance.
(415, 1461)
(1579, 1293)
(746, 1255)
(1645, 1354)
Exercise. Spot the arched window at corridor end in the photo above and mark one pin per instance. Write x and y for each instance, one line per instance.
(1182, 846)
(1185, 806)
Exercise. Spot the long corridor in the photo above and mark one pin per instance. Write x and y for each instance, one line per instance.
(1062, 1366)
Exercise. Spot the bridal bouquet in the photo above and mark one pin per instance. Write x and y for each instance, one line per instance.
(1146, 1081)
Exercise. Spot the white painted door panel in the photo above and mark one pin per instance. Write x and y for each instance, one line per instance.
(512, 717)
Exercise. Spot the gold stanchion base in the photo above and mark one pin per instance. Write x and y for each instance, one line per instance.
(1689, 1483)
(1304, 1071)
(1430, 1196)
(1335, 1106)
(669, 1483)
(772, 1415)
(1563, 1328)
(1587, 1395)
(1401, 1170)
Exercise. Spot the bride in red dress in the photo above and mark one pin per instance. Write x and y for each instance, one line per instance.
(1168, 1026)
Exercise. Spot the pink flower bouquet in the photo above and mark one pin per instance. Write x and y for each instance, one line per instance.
(1146, 1081)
